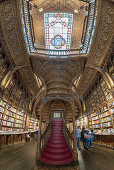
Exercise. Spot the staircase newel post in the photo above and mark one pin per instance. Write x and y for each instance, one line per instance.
(38, 154)
(75, 154)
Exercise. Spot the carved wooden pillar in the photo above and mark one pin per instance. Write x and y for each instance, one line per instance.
(39, 136)
(75, 154)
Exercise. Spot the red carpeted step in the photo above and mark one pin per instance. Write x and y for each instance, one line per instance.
(52, 162)
(57, 145)
(56, 157)
(57, 151)
(56, 142)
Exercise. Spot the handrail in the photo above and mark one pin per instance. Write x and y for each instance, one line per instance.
(69, 137)
(44, 137)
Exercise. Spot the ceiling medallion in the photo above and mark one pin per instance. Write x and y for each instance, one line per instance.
(58, 41)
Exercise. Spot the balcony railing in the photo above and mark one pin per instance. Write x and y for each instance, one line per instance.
(87, 35)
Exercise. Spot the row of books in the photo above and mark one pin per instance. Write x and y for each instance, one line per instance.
(11, 124)
(101, 125)
(105, 119)
(108, 124)
(14, 119)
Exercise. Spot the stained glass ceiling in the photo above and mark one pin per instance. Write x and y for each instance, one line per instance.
(48, 29)
(58, 30)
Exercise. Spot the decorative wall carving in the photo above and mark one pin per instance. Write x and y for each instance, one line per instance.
(13, 35)
(100, 49)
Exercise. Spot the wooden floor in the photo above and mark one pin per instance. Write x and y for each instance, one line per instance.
(22, 157)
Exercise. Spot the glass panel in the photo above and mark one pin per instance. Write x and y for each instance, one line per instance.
(57, 115)
(58, 30)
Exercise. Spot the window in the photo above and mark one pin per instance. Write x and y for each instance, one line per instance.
(57, 115)
(58, 30)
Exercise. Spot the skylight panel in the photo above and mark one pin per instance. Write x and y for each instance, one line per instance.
(58, 30)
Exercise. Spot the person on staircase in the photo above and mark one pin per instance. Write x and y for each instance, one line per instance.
(78, 136)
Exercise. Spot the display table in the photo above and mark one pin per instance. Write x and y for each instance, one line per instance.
(11, 138)
(107, 140)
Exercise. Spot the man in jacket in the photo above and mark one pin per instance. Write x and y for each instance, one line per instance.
(78, 136)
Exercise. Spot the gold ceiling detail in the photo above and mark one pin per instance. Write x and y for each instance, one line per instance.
(84, 21)
(58, 75)
(58, 5)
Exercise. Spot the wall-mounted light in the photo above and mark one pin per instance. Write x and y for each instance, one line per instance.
(76, 11)
(40, 9)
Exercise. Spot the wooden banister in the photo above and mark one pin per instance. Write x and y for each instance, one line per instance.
(71, 141)
(44, 137)
(42, 141)
(69, 137)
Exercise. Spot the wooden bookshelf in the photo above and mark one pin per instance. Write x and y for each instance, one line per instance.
(82, 122)
(33, 123)
(12, 119)
(100, 109)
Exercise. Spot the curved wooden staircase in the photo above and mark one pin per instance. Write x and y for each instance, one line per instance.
(57, 151)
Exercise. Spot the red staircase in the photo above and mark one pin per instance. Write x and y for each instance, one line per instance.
(57, 151)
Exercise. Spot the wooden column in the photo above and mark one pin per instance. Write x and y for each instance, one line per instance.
(39, 136)
(75, 154)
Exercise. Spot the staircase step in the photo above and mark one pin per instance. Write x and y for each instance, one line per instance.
(57, 133)
(56, 141)
(63, 162)
(57, 156)
(55, 150)
(57, 145)
(57, 137)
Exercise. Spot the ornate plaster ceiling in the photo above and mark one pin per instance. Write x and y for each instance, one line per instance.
(58, 75)
(58, 6)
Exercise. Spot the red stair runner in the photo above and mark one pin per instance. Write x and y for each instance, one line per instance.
(57, 151)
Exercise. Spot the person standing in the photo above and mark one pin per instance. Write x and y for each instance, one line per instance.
(78, 136)
(84, 136)
(92, 138)
(89, 139)
(37, 131)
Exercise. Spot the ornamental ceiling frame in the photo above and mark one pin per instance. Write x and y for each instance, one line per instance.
(53, 5)
(89, 27)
